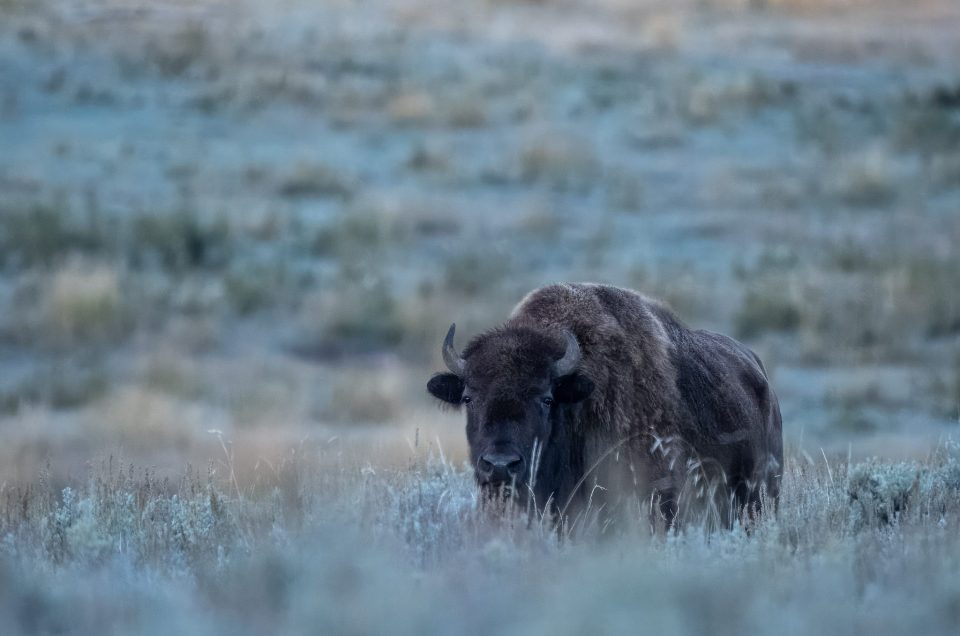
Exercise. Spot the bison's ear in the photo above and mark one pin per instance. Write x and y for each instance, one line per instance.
(447, 387)
(573, 387)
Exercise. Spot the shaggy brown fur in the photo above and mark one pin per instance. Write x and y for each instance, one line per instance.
(675, 415)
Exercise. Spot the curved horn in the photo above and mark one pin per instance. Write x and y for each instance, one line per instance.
(571, 356)
(450, 356)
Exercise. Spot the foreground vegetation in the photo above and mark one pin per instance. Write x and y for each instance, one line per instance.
(872, 547)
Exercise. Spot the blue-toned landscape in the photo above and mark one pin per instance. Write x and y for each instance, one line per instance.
(234, 234)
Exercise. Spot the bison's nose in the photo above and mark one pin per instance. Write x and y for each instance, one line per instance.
(500, 467)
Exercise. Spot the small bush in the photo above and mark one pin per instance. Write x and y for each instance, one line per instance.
(856, 421)
(931, 293)
(867, 179)
(927, 129)
(881, 491)
(355, 319)
(66, 384)
(465, 111)
(944, 170)
(252, 287)
(429, 158)
(13, 6)
(767, 309)
(472, 272)
(850, 256)
(359, 228)
(176, 53)
(411, 108)
(382, 224)
(712, 97)
(178, 241)
(625, 190)
(563, 162)
(46, 236)
(84, 304)
(316, 180)
(365, 395)
(43, 235)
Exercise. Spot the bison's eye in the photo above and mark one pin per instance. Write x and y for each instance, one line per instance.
(465, 399)
(548, 400)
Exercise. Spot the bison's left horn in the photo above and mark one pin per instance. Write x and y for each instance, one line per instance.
(450, 356)
(571, 357)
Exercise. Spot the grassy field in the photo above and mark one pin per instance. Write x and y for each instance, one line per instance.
(320, 546)
(233, 234)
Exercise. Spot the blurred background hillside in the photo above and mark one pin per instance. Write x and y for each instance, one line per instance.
(260, 217)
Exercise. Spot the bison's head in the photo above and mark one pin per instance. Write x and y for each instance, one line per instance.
(514, 383)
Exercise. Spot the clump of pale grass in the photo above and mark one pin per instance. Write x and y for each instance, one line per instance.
(411, 108)
(945, 170)
(316, 179)
(421, 108)
(768, 307)
(84, 303)
(712, 97)
(869, 178)
(882, 491)
(563, 161)
(358, 318)
(662, 31)
(375, 394)
(175, 53)
(382, 223)
(141, 418)
(43, 235)
(472, 272)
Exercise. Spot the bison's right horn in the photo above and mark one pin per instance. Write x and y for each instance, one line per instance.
(450, 356)
(571, 357)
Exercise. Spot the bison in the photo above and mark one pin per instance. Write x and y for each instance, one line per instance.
(595, 398)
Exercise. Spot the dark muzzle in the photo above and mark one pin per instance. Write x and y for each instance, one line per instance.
(500, 468)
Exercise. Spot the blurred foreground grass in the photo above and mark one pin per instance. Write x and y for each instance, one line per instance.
(317, 543)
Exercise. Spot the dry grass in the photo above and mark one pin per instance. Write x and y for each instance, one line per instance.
(768, 308)
(175, 54)
(561, 160)
(712, 98)
(316, 542)
(866, 179)
(84, 303)
(353, 319)
(411, 108)
(312, 179)
(377, 394)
